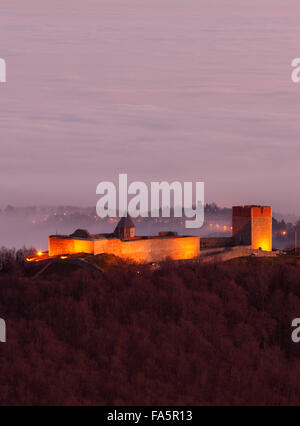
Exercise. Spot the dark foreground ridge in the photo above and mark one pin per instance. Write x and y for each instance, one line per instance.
(180, 334)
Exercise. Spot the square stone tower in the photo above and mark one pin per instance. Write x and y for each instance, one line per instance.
(252, 226)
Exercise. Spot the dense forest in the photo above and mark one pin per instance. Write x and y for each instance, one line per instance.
(186, 333)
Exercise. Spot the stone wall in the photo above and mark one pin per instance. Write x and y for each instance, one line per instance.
(212, 242)
(151, 249)
(228, 253)
(59, 246)
(241, 225)
(262, 233)
(139, 249)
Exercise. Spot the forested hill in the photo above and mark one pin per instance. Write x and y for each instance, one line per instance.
(183, 334)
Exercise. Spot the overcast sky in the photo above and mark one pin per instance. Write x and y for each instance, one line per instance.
(163, 89)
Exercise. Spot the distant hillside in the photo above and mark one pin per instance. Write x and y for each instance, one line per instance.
(183, 334)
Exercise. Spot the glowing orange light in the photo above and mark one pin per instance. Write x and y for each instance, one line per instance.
(265, 245)
(283, 233)
(39, 253)
(64, 257)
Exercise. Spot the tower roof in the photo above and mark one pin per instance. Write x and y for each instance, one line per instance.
(125, 222)
(81, 233)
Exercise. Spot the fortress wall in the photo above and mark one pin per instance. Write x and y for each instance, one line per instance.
(60, 246)
(262, 233)
(139, 250)
(213, 242)
(108, 246)
(241, 226)
(233, 253)
(152, 249)
(159, 249)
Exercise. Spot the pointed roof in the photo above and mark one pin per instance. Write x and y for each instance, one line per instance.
(125, 222)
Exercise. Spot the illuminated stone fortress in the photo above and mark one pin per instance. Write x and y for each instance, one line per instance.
(123, 243)
(252, 228)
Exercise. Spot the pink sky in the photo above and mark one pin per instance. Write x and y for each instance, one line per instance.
(160, 89)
